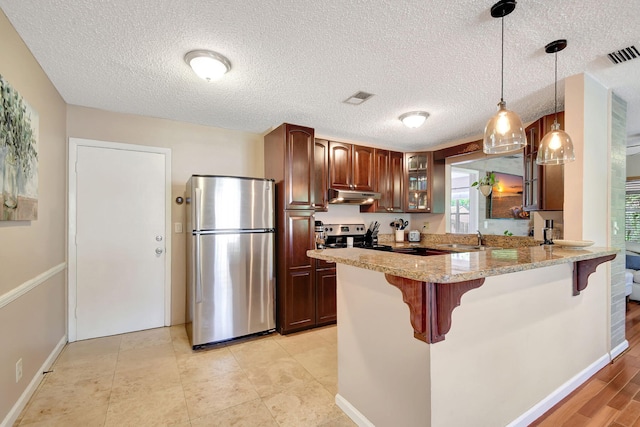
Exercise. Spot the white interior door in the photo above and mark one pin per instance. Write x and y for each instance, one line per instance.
(120, 241)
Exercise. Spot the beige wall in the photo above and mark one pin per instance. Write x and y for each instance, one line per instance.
(32, 324)
(499, 359)
(195, 149)
(587, 187)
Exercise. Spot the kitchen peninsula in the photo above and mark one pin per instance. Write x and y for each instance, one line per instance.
(532, 324)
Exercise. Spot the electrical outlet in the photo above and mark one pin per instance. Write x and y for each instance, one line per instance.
(177, 227)
(18, 369)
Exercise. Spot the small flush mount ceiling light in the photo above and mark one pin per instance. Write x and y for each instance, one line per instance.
(414, 119)
(504, 132)
(556, 147)
(207, 65)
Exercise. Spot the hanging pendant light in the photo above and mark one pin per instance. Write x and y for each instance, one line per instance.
(504, 132)
(556, 147)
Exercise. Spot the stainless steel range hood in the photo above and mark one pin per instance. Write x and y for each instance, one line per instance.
(352, 197)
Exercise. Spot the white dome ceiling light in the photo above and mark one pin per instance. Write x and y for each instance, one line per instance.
(207, 65)
(414, 119)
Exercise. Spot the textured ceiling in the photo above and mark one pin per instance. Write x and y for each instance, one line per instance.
(297, 60)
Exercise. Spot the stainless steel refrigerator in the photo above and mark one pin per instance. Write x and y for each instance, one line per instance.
(230, 258)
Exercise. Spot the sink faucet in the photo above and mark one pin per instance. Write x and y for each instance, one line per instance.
(480, 238)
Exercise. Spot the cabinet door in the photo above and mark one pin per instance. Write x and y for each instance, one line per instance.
(389, 182)
(297, 301)
(418, 182)
(381, 165)
(363, 168)
(299, 179)
(381, 184)
(543, 185)
(340, 166)
(321, 170)
(551, 176)
(531, 181)
(396, 181)
(326, 296)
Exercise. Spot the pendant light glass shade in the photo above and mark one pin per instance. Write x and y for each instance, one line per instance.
(504, 132)
(556, 148)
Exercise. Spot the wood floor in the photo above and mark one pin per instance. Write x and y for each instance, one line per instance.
(612, 396)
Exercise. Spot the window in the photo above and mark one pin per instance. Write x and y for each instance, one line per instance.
(632, 211)
(463, 201)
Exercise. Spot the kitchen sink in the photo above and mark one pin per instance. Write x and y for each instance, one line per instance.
(464, 247)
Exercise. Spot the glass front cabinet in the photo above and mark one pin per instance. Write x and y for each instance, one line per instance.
(418, 182)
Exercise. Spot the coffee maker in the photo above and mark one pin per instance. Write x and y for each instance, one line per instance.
(320, 235)
(547, 232)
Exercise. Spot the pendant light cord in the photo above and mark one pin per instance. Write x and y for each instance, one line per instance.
(502, 65)
(555, 89)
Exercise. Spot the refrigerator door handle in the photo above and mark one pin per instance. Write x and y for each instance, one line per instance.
(196, 207)
(238, 231)
(198, 271)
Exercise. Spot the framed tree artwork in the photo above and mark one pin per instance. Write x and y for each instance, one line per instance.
(18, 156)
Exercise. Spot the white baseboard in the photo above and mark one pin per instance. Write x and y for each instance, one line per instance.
(355, 415)
(17, 408)
(560, 393)
(617, 351)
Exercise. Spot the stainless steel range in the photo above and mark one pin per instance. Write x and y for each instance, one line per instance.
(338, 236)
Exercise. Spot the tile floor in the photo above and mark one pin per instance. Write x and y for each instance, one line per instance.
(153, 378)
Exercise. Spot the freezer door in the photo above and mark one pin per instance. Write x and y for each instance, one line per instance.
(231, 203)
(232, 292)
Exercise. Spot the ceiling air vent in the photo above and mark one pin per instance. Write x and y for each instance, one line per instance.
(358, 98)
(623, 55)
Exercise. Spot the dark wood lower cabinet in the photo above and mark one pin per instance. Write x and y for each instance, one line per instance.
(306, 288)
(300, 312)
(325, 295)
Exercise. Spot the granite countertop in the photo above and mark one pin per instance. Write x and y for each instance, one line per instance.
(457, 267)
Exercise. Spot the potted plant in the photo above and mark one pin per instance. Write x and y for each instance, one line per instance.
(486, 183)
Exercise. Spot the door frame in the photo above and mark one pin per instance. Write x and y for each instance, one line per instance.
(72, 284)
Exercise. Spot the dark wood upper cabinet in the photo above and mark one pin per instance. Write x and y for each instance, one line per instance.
(396, 181)
(418, 182)
(389, 182)
(531, 179)
(289, 156)
(340, 166)
(363, 168)
(351, 167)
(321, 169)
(543, 185)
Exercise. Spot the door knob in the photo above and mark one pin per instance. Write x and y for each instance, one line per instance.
(159, 251)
